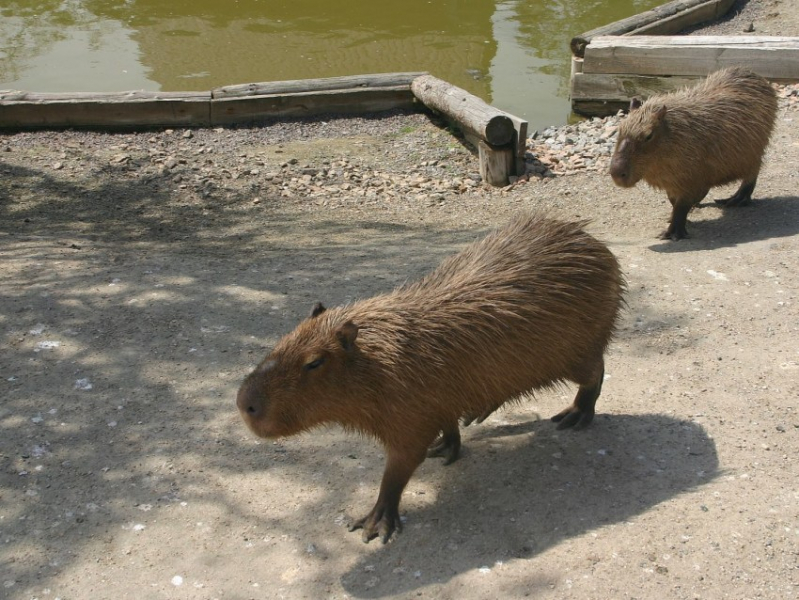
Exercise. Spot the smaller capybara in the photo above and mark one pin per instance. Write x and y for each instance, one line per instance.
(531, 305)
(693, 139)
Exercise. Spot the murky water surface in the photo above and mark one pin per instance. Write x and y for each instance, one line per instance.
(513, 54)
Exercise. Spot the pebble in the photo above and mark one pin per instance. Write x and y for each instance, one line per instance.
(203, 164)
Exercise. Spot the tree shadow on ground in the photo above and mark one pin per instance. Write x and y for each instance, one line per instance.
(128, 322)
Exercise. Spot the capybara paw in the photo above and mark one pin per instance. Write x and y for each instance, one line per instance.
(380, 522)
(573, 417)
(445, 447)
(734, 200)
(673, 234)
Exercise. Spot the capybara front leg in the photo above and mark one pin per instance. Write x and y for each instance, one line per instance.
(384, 519)
(447, 445)
(740, 198)
(581, 412)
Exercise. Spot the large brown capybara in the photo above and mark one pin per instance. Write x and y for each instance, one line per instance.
(693, 139)
(533, 304)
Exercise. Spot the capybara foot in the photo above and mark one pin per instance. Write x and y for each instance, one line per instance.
(382, 521)
(740, 198)
(574, 417)
(448, 445)
(736, 199)
(673, 233)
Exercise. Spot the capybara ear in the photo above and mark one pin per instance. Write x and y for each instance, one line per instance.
(346, 335)
(317, 309)
(661, 113)
(635, 103)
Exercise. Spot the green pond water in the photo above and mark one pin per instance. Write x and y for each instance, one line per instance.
(513, 54)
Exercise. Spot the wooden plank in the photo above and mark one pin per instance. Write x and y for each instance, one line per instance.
(519, 144)
(299, 86)
(469, 111)
(676, 23)
(116, 110)
(601, 95)
(597, 108)
(107, 97)
(668, 18)
(771, 57)
(615, 87)
(258, 109)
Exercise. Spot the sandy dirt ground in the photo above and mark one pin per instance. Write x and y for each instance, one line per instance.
(135, 295)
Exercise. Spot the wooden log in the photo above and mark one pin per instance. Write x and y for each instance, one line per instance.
(259, 109)
(113, 110)
(469, 111)
(666, 19)
(327, 84)
(776, 58)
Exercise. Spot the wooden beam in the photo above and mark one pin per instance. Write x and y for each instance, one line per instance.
(775, 58)
(327, 84)
(246, 103)
(469, 111)
(666, 19)
(519, 144)
(621, 87)
(597, 108)
(601, 95)
(258, 109)
(114, 110)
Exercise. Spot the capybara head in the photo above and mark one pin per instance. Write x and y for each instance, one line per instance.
(637, 142)
(299, 384)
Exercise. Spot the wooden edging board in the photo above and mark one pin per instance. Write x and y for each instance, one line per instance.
(241, 104)
(666, 19)
(618, 68)
(693, 56)
(499, 137)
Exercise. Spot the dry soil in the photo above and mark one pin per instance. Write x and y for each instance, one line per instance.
(143, 275)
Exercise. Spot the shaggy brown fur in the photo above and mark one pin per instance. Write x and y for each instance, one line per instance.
(691, 140)
(532, 304)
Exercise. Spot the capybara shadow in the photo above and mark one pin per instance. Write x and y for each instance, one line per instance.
(764, 219)
(515, 500)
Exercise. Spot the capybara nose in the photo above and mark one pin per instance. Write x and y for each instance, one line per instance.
(247, 404)
(618, 173)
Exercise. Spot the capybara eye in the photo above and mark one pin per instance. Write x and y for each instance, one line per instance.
(314, 364)
(649, 137)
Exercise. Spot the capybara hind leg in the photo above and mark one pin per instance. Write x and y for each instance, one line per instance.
(384, 519)
(581, 412)
(479, 417)
(447, 445)
(679, 217)
(740, 198)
